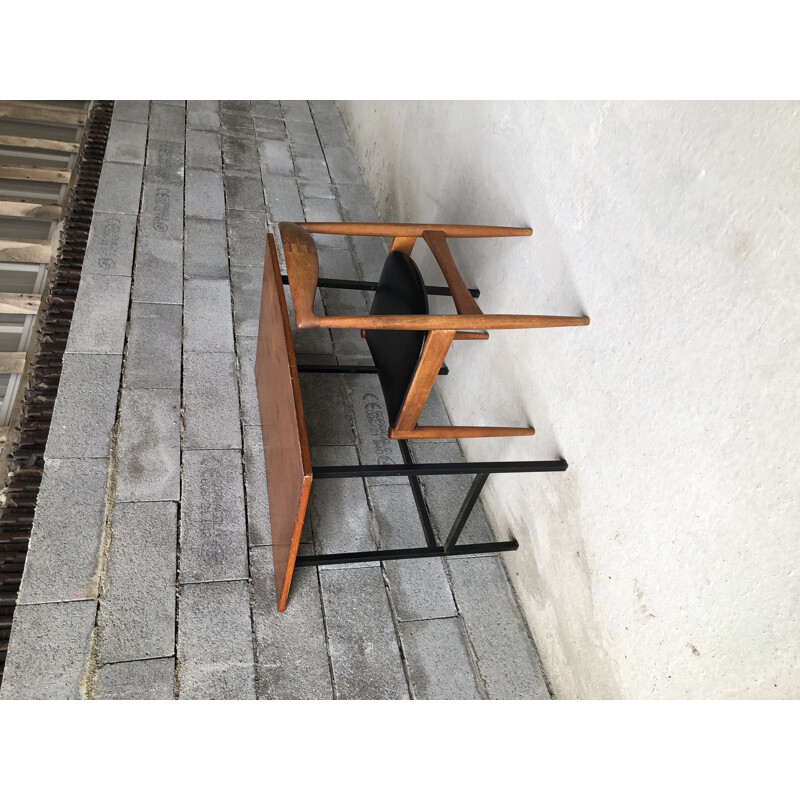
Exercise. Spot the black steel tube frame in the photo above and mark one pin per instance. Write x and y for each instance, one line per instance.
(353, 369)
(412, 471)
(371, 286)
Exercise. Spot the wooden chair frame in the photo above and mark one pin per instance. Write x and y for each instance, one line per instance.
(302, 268)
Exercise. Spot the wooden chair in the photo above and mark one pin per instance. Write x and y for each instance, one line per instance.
(408, 344)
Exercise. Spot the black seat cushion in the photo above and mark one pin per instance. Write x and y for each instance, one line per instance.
(401, 290)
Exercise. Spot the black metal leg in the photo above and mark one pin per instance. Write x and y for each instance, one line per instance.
(463, 468)
(351, 369)
(465, 510)
(371, 286)
(419, 500)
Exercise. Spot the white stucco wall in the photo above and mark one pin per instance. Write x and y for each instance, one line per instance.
(664, 562)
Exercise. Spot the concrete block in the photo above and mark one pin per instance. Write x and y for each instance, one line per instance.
(164, 162)
(152, 679)
(291, 656)
(269, 128)
(168, 122)
(418, 587)
(213, 527)
(438, 661)
(266, 108)
(215, 642)
(162, 211)
(246, 283)
(85, 408)
(203, 150)
(211, 402)
(149, 445)
(239, 152)
(153, 360)
(136, 618)
(48, 651)
(311, 168)
(506, 657)
(205, 248)
(205, 194)
(321, 210)
(207, 320)
(109, 250)
(255, 484)
(275, 157)
(296, 109)
(371, 426)
(342, 165)
(202, 115)
(119, 188)
(283, 199)
(356, 204)
(361, 637)
(101, 315)
(158, 270)
(131, 110)
(67, 532)
(243, 191)
(126, 142)
(340, 517)
(325, 405)
(247, 238)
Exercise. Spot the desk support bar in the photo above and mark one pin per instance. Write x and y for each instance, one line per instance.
(371, 286)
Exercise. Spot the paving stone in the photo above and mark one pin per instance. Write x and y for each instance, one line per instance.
(131, 110)
(202, 115)
(181, 103)
(310, 340)
(419, 587)
(167, 122)
(340, 517)
(205, 248)
(321, 210)
(239, 152)
(267, 128)
(126, 142)
(372, 425)
(158, 274)
(164, 162)
(48, 651)
(203, 150)
(283, 199)
(311, 190)
(246, 283)
(255, 482)
(346, 302)
(151, 679)
(361, 638)
(85, 407)
(438, 662)
(242, 106)
(291, 657)
(119, 188)
(247, 238)
(215, 642)
(507, 659)
(205, 194)
(153, 360)
(275, 157)
(149, 445)
(323, 108)
(243, 191)
(137, 607)
(207, 321)
(211, 402)
(310, 168)
(162, 211)
(109, 250)
(266, 108)
(303, 137)
(371, 252)
(333, 134)
(246, 353)
(101, 315)
(342, 165)
(236, 120)
(67, 531)
(296, 109)
(213, 528)
(325, 406)
(356, 203)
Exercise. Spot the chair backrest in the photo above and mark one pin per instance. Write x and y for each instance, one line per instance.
(401, 290)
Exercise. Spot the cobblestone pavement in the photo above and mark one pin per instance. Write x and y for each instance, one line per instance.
(150, 567)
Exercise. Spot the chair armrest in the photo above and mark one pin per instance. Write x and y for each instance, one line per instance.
(441, 322)
(410, 229)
